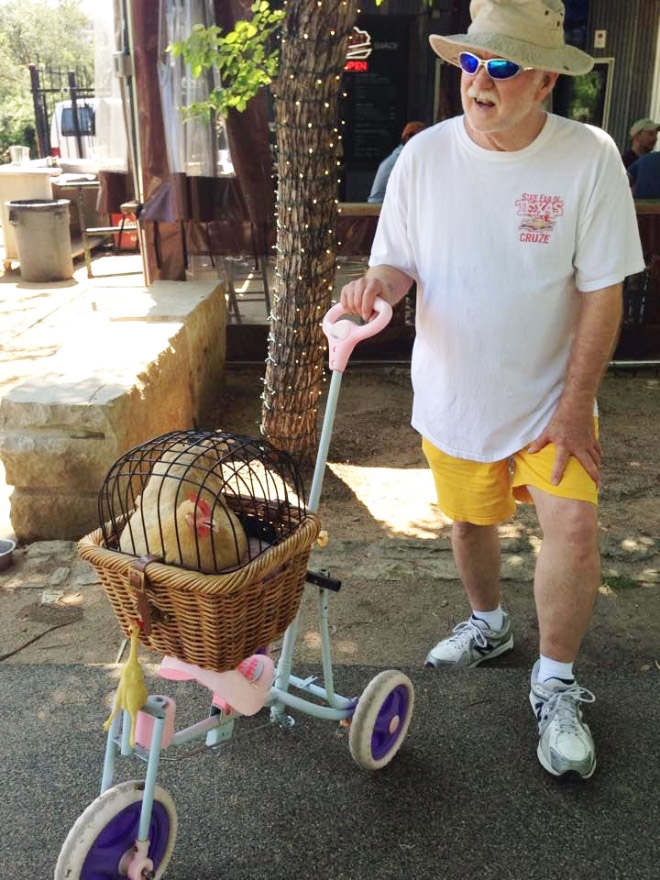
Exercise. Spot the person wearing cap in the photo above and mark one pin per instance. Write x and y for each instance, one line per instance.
(518, 228)
(379, 185)
(643, 135)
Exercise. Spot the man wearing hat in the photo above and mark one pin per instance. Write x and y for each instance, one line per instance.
(643, 134)
(518, 228)
(379, 185)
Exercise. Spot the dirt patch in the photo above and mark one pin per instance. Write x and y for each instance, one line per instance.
(372, 430)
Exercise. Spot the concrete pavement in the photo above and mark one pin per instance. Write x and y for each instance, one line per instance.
(465, 797)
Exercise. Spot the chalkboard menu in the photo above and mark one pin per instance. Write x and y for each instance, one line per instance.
(376, 91)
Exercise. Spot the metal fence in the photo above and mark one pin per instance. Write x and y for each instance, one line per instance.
(76, 122)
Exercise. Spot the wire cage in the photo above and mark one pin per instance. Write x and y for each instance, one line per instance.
(204, 541)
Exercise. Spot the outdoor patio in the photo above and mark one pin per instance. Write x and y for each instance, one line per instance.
(39, 321)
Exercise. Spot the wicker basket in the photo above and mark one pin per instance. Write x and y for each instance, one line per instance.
(213, 621)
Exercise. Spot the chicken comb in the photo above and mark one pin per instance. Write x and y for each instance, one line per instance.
(202, 505)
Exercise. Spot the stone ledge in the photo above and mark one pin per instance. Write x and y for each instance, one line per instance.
(110, 369)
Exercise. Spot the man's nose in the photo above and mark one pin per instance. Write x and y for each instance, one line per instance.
(482, 79)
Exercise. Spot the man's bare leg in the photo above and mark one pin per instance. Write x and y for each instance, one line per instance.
(567, 573)
(477, 556)
(565, 586)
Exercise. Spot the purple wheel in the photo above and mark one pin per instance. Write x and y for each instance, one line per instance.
(99, 845)
(381, 720)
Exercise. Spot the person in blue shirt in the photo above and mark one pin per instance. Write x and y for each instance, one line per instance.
(645, 176)
(377, 193)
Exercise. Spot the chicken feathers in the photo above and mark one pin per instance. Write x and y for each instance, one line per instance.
(182, 515)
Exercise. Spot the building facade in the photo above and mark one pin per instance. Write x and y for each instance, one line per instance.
(392, 76)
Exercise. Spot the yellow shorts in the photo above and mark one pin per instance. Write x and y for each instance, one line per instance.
(485, 493)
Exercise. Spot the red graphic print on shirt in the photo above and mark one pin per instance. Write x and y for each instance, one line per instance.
(539, 214)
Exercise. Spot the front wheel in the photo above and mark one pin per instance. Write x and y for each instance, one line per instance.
(105, 833)
(381, 720)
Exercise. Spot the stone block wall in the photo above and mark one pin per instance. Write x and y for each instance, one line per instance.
(128, 365)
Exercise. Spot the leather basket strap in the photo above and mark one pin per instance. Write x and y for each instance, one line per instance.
(138, 580)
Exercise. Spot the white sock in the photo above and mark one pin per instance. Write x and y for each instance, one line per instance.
(549, 668)
(492, 619)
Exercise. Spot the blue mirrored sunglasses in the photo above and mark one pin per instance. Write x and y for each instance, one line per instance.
(496, 68)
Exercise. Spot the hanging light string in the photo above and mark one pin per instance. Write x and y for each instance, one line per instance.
(308, 139)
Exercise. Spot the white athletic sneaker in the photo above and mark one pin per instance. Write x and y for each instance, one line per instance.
(565, 744)
(472, 642)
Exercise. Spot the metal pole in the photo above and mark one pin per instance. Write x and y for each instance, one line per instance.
(633, 365)
(324, 443)
(43, 141)
(130, 50)
(125, 68)
(73, 92)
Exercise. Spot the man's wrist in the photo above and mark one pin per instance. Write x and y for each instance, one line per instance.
(576, 401)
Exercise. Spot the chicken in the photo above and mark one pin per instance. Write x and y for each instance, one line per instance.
(132, 692)
(182, 516)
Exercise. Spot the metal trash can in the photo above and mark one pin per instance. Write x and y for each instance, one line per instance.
(41, 227)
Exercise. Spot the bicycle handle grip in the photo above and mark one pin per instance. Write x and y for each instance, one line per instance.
(343, 336)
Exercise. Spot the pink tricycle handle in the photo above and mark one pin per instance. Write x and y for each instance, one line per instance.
(343, 336)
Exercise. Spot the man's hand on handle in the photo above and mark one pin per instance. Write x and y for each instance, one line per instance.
(385, 282)
(358, 296)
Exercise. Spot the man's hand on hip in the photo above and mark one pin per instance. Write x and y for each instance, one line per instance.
(573, 432)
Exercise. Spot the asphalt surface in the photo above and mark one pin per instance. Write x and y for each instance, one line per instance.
(465, 796)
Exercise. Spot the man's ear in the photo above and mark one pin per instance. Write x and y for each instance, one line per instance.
(547, 85)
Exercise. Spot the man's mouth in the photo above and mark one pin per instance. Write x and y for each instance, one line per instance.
(482, 99)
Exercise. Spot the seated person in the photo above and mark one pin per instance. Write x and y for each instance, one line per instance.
(645, 176)
(377, 193)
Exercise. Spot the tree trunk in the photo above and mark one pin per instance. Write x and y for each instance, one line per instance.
(314, 43)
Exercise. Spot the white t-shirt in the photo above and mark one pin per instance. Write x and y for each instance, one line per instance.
(502, 246)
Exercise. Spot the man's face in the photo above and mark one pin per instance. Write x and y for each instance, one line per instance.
(647, 140)
(494, 106)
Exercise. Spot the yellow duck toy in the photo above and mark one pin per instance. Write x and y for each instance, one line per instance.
(132, 692)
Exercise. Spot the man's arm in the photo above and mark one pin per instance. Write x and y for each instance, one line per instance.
(571, 428)
(387, 282)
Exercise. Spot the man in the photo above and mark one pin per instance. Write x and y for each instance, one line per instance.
(379, 185)
(518, 227)
(644, 176)
(644, 134)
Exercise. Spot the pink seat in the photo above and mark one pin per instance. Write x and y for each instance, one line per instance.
(244, 689)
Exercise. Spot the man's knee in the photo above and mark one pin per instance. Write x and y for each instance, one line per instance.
(574, 523)
(462, 531)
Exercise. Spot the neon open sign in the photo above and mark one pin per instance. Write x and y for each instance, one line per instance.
(356, 66)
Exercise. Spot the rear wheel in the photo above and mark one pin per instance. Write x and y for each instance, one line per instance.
(381, 720)
(99, 845)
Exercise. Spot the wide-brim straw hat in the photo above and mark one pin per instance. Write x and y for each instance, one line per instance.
(529, 32)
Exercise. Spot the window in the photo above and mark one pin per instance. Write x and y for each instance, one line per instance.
(85, 121)
(586, 98)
